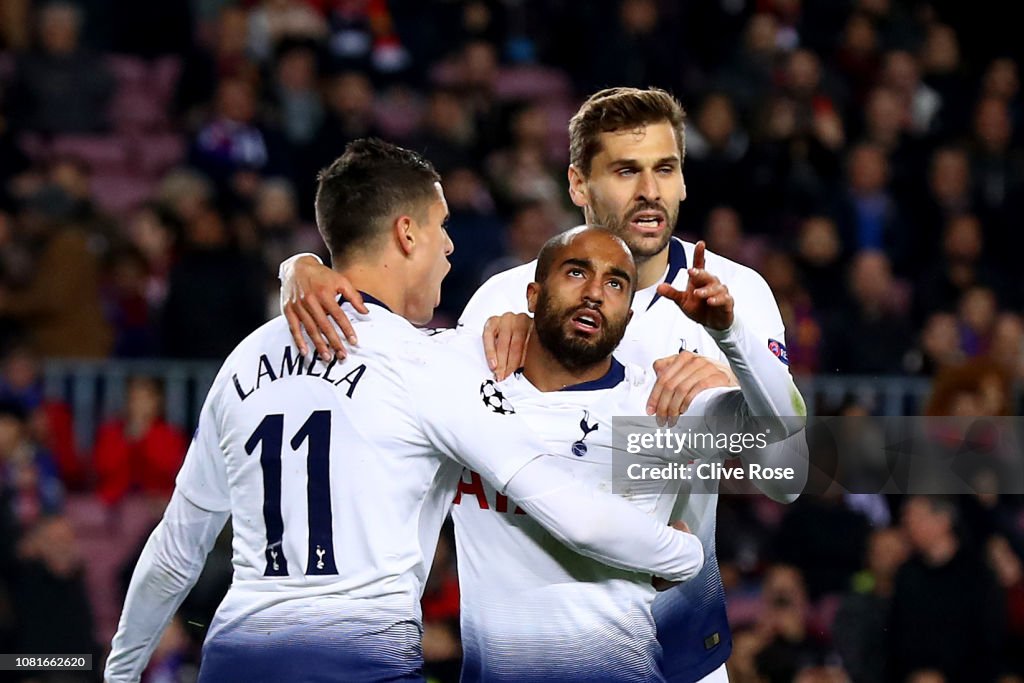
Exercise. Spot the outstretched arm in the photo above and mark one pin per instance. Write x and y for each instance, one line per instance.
(168, 568)
(602, 525)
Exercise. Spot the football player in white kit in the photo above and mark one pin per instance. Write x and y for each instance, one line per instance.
(625, 173)
(338, 475)
(531, 610)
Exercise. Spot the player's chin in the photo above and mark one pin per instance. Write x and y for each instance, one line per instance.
(646, 242)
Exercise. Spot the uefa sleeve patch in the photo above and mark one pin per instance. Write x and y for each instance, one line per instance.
(779, 349)
(494, 399)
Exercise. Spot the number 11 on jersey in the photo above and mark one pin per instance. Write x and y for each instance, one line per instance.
(317, 431)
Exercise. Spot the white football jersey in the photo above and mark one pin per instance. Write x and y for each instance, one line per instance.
(338, 477)
(532, 609)
(691, 620)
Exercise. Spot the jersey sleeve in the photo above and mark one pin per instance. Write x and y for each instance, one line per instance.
(169, 566)
(502, 293)
(203, 476)
(467, 417)
(757, 308)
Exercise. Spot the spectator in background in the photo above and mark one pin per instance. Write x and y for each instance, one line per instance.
(273, 22)
(947, 194)
(823, 538)
(860, 625)
(959, 268)
(872, 334)
(49, 419)
(66, 264)
(943, 592)
(154, 230)
(867, 213)
(524, 171)
(803, 330)
(448, 133)
(28, 475)
(921, 104)
(61, 87)
(138, 451)
(818, 257)
(998, 172)
(236, 142)
(280, 231)
(750, 73)
(977, 310)
(791, 644)
(51, 602)
(1002, 81)
(349, 100)
(209, 64)
(1007, 347)
(295, 92)
(474, 224)
(858, 57)
(1008, 568)
(716, 159)
(214, 287)
(724, 234)
(475, 81)
(938, 345)
(942, 71)
(886, 124)
(362, 36)
(636, 49)
(533, 224)
(127, 305)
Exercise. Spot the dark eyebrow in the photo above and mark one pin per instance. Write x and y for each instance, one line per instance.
(619, 272)
(578, 262)
(673, 160)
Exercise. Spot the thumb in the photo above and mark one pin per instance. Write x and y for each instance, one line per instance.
(669, 292)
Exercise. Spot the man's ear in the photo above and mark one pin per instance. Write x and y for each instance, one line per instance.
(532, 292)
(578, 188)
(404, 234)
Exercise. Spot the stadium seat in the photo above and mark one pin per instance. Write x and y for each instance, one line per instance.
(105, 154)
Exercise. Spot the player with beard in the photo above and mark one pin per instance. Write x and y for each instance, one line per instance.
(531, 611)
(625, 173)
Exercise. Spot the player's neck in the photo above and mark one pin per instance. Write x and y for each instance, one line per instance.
(376, 281)
(547, 373)
(650, 271)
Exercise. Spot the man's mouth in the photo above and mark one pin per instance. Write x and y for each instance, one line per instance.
(648, 221)
(587, 321)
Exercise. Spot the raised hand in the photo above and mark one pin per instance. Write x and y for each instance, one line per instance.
(706, 300)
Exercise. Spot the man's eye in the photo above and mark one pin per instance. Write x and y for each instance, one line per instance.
(615, 283)
(575, 272)
(625, 172)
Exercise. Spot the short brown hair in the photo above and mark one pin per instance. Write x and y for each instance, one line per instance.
(366, 187)
(615, 109)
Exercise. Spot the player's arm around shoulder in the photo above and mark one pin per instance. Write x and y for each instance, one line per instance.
(478, 426)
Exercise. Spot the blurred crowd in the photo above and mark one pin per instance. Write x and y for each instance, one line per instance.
(158, 161)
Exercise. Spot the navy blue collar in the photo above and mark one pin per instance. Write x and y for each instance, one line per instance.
(616, 374)
(368, 299)
(676, 262)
